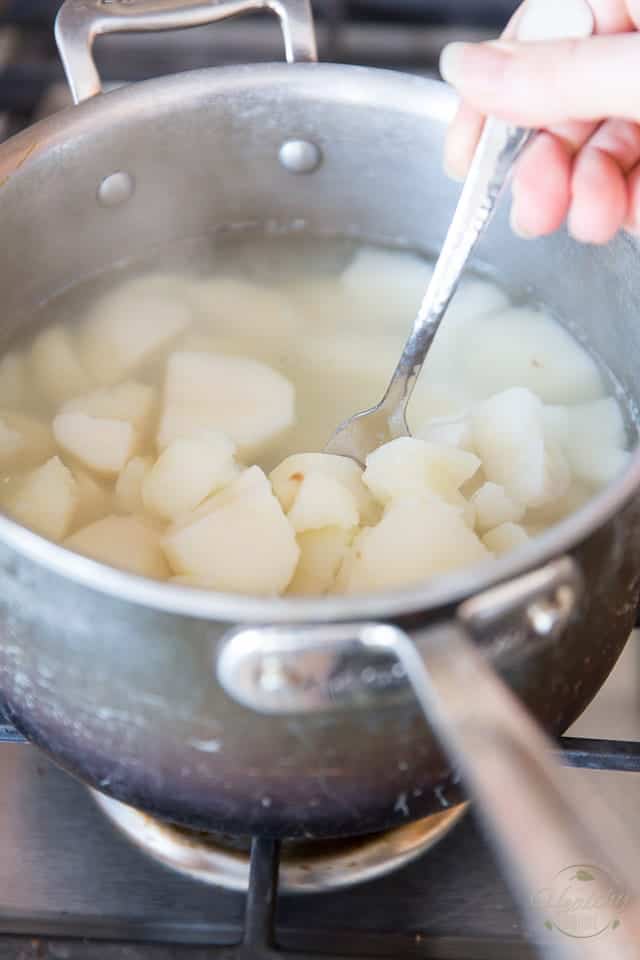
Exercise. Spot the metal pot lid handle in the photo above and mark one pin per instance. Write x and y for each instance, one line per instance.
(538, 826)
(79, 22)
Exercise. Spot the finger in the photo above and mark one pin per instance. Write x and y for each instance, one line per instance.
(599, 204)
(542, 187)
(621, 140)
(537, 85)
(632, 222)
(461, 141)
(613, 16)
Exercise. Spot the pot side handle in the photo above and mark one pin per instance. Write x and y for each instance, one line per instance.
(79, 22)
(538, 824)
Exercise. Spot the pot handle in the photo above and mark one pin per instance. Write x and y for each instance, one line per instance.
(538, 827)
(79, 22)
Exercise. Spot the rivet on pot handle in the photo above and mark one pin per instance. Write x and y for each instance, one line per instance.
(536, 824)
(79, 22)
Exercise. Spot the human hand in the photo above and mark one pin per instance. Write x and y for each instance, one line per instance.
(584, 95)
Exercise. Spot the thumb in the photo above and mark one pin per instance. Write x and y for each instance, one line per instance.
(540, 84)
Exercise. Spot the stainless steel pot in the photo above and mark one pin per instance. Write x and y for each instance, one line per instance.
(118, 678)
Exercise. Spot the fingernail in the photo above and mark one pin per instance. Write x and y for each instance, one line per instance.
(453, 169)
(451, 62)
(516, 224)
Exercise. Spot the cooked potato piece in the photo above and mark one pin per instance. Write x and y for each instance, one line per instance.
(14, 381)
(596, 440)
(101, 444)
(46, 499)
(24, 442)
(409, 465)
(127, 326)
(225, 303)
(188, 471)
(322, 501)
(123, 542)
(494, 506)
(509, 436)
(541, 517)
(130, 401)
(57, 367)
(418, 537)
(240, 542)
(289, 475)
(94, 502)
(386, 287)
(506, 537)
(526, 347)
(245, 399)
(128, 491)
(449, 431)
(321, 554)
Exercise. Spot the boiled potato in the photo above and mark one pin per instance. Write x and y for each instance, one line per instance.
(289, 475)
(409, 465)
(247, 400)
(130, 324)
(24, 442)
(239, 542)
(102, 444)
(494, 506)
(509, 437)
(596, 441)
(419, 537)
(188, 471)
(451, 432)
(229, 304)
(525, 347)
(14, 381)
(321, 554)
(57, 366)
(322, 501)
(506, 537)
(542, 517)
(128, 491)
(123, 542)
(94, 502)
(386, 287)
(130, 401)
(46, 500)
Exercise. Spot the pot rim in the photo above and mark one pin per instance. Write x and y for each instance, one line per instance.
(403, 92)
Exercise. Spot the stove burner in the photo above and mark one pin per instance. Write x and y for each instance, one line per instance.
(306, 866)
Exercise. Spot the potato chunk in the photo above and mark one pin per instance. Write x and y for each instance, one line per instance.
(188, 471)
(247, 400)
(509, 436)
(46, 499)
(56, 365)
(128, 497)
(321, 555)
(419, 537)
(123, 542)
(288, 477)
(385, 287)
(24, 442)
(526, 347)
(596, 440)
(94, 502)
(409, 465)
(130, 324)
(231, 304)
(506, 537)
(322, 501)
(239, 541)
(101, 444)
(129, 401)
(493, 507)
